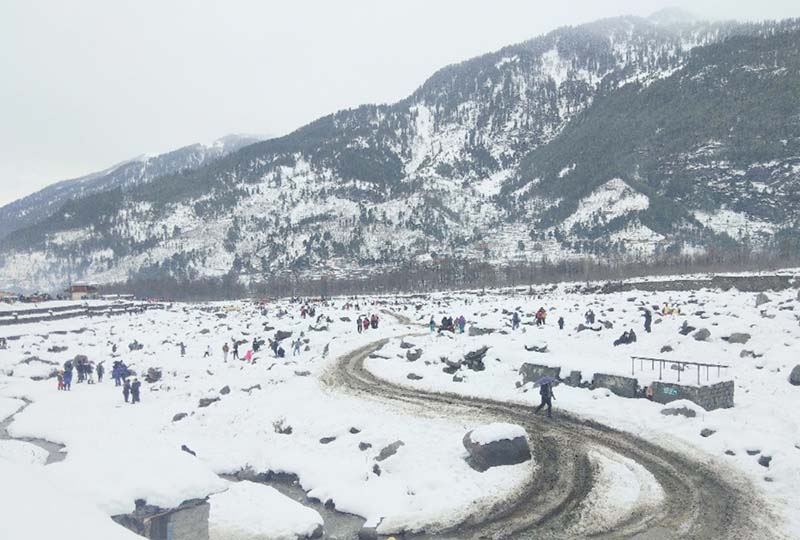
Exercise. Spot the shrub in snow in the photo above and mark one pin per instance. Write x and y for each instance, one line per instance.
(281, 427)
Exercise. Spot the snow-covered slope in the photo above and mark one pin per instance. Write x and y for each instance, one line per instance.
(569, 145)
(40, 205)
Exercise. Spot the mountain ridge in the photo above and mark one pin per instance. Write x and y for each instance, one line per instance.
(476, 164)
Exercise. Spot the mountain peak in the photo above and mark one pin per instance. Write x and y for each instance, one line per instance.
(672, 15)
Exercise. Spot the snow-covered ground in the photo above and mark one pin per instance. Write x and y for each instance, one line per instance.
(117, 452)
(280, 414)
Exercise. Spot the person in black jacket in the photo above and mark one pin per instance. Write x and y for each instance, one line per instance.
(126, 389)
(546, 393)
(648, 319)
(135, 391)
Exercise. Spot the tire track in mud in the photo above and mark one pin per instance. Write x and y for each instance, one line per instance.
(700, 500)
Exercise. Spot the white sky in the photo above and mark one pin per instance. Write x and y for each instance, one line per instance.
(88, 83)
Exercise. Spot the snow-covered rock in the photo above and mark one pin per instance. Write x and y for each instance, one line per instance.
(250, 511)
(494, 445)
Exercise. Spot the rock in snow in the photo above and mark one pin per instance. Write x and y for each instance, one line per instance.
(493, 445)
(794, 377)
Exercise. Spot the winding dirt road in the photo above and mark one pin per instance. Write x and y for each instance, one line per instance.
(700, 500)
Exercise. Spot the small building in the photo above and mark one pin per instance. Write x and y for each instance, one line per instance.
(8, 296)
(81, 291)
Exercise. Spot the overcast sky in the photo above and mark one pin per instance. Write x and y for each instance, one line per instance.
(85, 84)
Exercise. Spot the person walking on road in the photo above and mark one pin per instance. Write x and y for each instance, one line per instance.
(546, 393)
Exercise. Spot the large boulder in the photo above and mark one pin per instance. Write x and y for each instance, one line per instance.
(153, 375)
(474, 359)
(494, 445)
(679, 411)
(794, 377)
(761, 299)
(474, 331)
(413, 356)
(280, 335)
(739, 338)
(702, 335)
(389, 451)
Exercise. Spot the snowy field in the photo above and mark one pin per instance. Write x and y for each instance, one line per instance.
(283, 415)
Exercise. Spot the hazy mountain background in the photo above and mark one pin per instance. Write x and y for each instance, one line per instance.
(627, 139)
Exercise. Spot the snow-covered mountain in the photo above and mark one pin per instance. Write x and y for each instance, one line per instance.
(39, 206)
(627, 137)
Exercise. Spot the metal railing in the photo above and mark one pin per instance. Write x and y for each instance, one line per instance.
(662, 362)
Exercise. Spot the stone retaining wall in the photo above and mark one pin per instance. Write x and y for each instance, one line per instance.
(715, 396)
(189, 521)
(622, 386)
(534, 372)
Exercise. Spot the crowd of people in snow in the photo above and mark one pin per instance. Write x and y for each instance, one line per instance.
(449, 324)
(364, 323)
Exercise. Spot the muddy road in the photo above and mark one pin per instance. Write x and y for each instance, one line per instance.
(700, 500)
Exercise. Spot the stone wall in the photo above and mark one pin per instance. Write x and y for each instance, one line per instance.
(715, 396)
(189, 521)
(534, 372)
(753, 283)
(622, 386)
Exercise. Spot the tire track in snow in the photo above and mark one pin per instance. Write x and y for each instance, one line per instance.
(700, 501)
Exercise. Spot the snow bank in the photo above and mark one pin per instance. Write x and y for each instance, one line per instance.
(250, 511)
(498, 431)
(35, 508)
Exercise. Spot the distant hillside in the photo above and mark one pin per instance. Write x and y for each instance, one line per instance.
(39, 206)
(624, 139)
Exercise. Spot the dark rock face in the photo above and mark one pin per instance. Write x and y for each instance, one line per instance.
(794, 376)
(764, 461)
(389, 451)
(474, 331)
(679, 411)
(413, 356)
(327, 440)
(180, 416)
(496, 453)
(474, 359)
(762, 299)
(153, 375)
(189, 521)
(666, 349)
(205, 402)
(536, 348)
(364, 446)
(702, 335)
(706, 432)
(738, 338)
(225, 390)
(621, 386)
(407, 345)
(280, 335)
(414, 377)
(534, 372)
